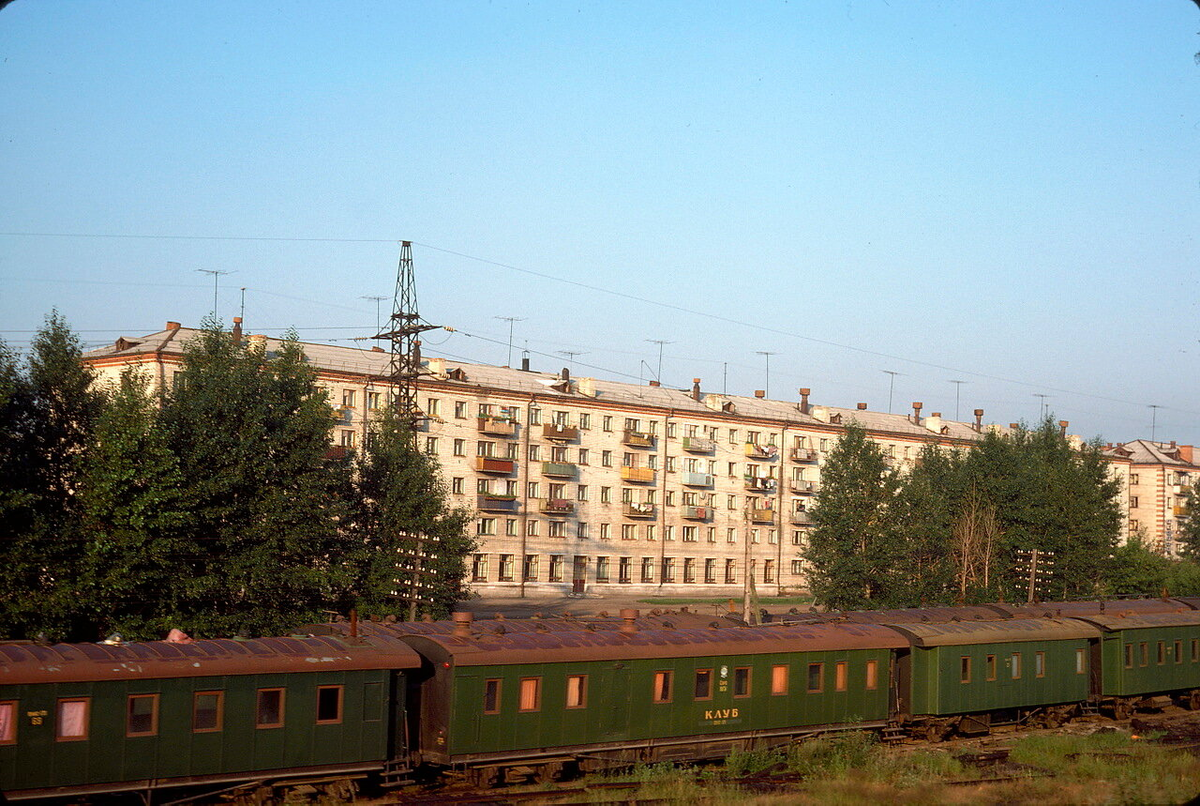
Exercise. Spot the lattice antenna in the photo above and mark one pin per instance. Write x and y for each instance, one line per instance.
(404, 326)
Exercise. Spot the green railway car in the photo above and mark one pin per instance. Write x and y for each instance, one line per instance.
(960, 675)
(1148, 655)
(78, 719)
(556, 698)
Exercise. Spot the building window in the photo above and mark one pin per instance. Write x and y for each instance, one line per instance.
(797, 568)
(346, 437)
(530, 570)
(535, 416)
(486, 526)
(72, 719)
(373, 400)
(584, 456)
(668, 532)
(624, 571)
(491, 696)
(460, 447)
(531, 694)
(581, 530)
(433, 407)
(585, 421)
(1133, 502)
(730, 572)
(647, 569)
(510, 527)
(731, 535)
(329, 705)
(650, 534)
(710, 534)
(602, 569)
(668, 569)
(816, 678)
(606, 459)
(689, 569)
(577, 691)
(348, 398)
(662, 687)
(207, 711)
(460, 409)
(671, 430)
(535, 453)
(710, 571)
(506, 568)
(479, 568)
(581, 492)
(431, 446)
(689, 534)
(606, 495)
(702, 690)
(141, 715)
(605, 531)
(558, 528)
(456, 485)
(628, 531)
(556, 566)
(768, 571)
(269, 711)
(532, 490)
(606, 423)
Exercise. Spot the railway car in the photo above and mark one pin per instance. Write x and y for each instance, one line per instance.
(1090, 607)
(964, 676)
(1146, 659)
(547, 702)
(82, 719)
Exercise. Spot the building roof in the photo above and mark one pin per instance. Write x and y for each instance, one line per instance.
(1146, 452)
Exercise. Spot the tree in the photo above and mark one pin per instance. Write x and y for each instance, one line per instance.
(926, 506)
(974, 540)
(399, 497)
(1188, 536)
(855, 544)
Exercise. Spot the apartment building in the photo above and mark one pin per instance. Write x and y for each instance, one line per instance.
(1157, 474)
(582, 484)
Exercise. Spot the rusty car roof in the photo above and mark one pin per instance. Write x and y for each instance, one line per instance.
(1010, 630)
(22, 663)
(503, 626)
(1110, 606)
(478, 649)
(1142, 621)
(1191, 601)
(914, 615)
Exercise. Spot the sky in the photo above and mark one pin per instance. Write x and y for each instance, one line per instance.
(787, 194)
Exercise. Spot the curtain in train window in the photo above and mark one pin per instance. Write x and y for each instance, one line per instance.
(8, 722)
(72, 719)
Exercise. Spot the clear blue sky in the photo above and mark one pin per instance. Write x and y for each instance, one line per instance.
(1006, 194)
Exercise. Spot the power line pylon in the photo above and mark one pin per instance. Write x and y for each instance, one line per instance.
(404, 326)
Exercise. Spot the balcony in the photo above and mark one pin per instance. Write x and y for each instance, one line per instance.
(760, 484)
(559, 470)
(566, 433)
(802, 518)
(638, 439)
(805, 487)
(641, 475)
(804, 455)
(1179, 512)
(496, 426)
(698, 445)
(761, 515)
(633, 510)
(697, 513)
(491, 464)
(557, 506)
(497, 503)
(697, 479)
(764, 452)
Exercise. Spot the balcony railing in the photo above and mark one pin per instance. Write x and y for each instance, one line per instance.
(634, 510)
(559, 470)
(761, 515)
(491, 464)
(563, 432)
(692, 479)
(638, 439)
(804, 455)
(760, 484)
(496, 426)
(641, 475)
(1179, 512)
(497, 503)
(697, 513)
(557, 506)
(698, 445)
(805, 487)
(767, 452)
(802, 518)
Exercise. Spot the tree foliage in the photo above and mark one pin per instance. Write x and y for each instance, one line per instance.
(1189, 526)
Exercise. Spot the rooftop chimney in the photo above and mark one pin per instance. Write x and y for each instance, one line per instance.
(862, 406)
(1014, 426)
(978, 420)
(237, 330)
(565, 374)
(917, 411)
(760, 393)
(696, 389)
(804, 393)
(173, 326)
(462, 623)
(1062, 426)
(524, 363)
(629, 617)
(655, 383)
(375, 348)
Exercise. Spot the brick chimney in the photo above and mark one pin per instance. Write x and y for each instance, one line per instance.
(696, 389)
(1062, 427)
(862, 406)
(916, 417)
(173, 326)
(804, 393)
(978, 421)
(237, 330)
(760, 393)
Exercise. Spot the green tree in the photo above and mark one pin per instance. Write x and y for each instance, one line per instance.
(401, 512)
(927, 505)
(1188, 536)
(855, 546)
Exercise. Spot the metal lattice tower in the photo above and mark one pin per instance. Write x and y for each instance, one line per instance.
(404, 326)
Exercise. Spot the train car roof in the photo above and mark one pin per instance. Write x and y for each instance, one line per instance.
(1068, 609)
(914, 615)
(1142, 621)
(503, 626)
(481, 649)
(1191, 601)
(1001, 631)
(22, 663)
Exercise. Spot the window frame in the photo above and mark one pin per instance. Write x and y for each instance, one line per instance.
(747, 676)
(87, 719)
(708, 685)
(1178, 647)
(964, 669)
(13, 722)
(1039, 664)
(258, 707)
(536, 684)
(1080, 661)
(154, 702)
(778, 690)
(663, 680)
(808, 682)
(583, 692)
(1129, 655)
(341, 702)
(871, 683)
(989, 668)
(220, 710)
(1015, 661)
(493, 691)
(841, 675)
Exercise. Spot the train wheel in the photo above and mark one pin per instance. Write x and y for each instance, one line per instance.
(933, 733)
(1193, 702)
(1122, 710)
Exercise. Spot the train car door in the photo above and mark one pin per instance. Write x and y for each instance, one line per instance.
(900, 676)
(616, 706)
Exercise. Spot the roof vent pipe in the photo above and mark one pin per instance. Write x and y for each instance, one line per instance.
(696, 389)
(565, 374)
(804, 393)
(524, 363)
(237, 330)
(629, 617)
(462, 623)
(173, 326)
(862, 406)
(1062, 426)
(760, 393)
(917, 411)
(978, 420)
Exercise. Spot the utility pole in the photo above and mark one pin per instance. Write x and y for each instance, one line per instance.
(660, 344)
(510, 320)
(243, 311)
(377, 300)
(767, 383)
(216, 275)
(957, 389)
(1042, 409)
(891, 386)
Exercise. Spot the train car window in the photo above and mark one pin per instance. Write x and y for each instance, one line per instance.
(208, 711)
(1144, 651)
(991, 667)
(1162, 653)
(329, 705)
(1129, 656)
(576, 690)
(1179, 651)
(141, 715)
(1196, 650)
(872, 675)
(964, 669)
(269, 713)
(662, 686)
(72, 722)
(491, 696)
(741, 681)
(1039, 664)
(703, 687)
(816, 678)
(1016, 666)
(529, 698)
(779, 679)
(8, 722)
(1080, 662)
(839, 675)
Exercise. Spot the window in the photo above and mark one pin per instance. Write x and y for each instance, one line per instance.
(431, 446)
(1080, 664)
(506, 568)
(606, 495)
(1016, 665)
(456, 486)
(373, 399)
(650, 533)
(556, 567)
(710, 571)
(72, 720)
(769, 570)
(733, 436)
(460, 447)
(689, 569)
(731, 535)
(991, 667)
(479, 568)
(486, 526)
(662, 686)
(779, 679)
(583, 456)
(510, 527)
(535, 453)
(581, 492)
(491, 696)
(840, 675)
(329, 705)
(606, 423)
(531, 694)
(581, 530)
(647, 569)
(816, 678)
(605, 531)
(585, 421)
(668, 569)
(1133, 478)
(624, 570)
(703, 687)
(348, 398)
(602, 569)
(577, 691)
(460, 409)
(535, 416)
(8, 722)
(872, 675)
(141, 715)
(530, 570)
(269, 712)
(1195, 650)
(1129, 656)
(1039, 664)
(741, 681)
(670, 464)
(558, 528)
(964, 669)
(1162, 653)
(1144, 651)
(531, 527)
(347, 438)
(689, 534)
(730, 572)
(1133, 502)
